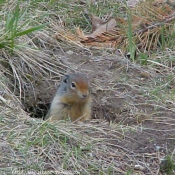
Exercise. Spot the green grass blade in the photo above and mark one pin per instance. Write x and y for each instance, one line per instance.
(9, 22)
(3, 45)
(130, 36)
(31, 29)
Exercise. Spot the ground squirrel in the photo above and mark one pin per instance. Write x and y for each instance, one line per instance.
(72, 99)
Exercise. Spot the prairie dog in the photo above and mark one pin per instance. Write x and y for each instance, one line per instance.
(72, 99)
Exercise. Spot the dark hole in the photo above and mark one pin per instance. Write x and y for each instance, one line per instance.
(38, 111)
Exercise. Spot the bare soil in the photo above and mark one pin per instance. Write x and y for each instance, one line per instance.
(121, 95)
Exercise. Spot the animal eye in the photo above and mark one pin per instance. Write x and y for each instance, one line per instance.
(73, 85)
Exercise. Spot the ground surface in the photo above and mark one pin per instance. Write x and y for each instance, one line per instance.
(133, 126)
(122, 94)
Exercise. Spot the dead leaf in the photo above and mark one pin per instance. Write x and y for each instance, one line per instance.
(96, 22)
(147, 20)
(99, 26)
(81, 34)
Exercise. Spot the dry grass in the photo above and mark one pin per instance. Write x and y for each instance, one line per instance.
(152, 27)
(142, 133)
(30, 145)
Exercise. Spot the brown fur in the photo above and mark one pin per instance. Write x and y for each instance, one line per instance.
(75, 103)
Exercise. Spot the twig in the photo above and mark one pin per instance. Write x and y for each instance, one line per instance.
(171, 18)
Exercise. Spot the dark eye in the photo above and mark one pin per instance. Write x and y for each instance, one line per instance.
(73, 85)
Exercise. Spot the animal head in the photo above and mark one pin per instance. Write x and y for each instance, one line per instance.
(77, 85)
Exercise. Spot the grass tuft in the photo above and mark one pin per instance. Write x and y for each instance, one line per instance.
(23, 46)
(138, 99)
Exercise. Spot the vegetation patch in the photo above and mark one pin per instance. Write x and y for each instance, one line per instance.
(132, 131)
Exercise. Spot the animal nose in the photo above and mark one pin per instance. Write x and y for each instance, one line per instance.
(84, 95)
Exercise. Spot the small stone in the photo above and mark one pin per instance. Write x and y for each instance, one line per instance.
(145, 74)
(158, 148)
(70, 52)
(139, 167)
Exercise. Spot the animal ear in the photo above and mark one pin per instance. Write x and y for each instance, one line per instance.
(65, 78)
